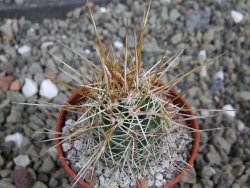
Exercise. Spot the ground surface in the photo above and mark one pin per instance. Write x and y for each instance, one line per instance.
(204, 29)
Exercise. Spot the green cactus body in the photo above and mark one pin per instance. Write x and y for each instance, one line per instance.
(133, 129)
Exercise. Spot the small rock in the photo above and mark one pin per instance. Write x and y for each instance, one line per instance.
(6, 184)
(35, 68)
(229, 110)
(207, 172)
(48, 89)
(19, 2)
(16, 137)
(244, 95)
(240, 125)
(15, 86)
(7, 29)
(15, 115)
(7, 67)
(220, 75)
(66, 146)
(176, 38)
(209, 35)
(174, 15)
(29, 88)
(197, 19)
(151, 46)
(222, 143)
(103, 10)
(39, 184)
(237, 16)
(24, 50)
(213, 156)
(202, 56)
(159, 176)
(87, 51)
(78, 145)
(118, 44)
(77, 12)
(21, 178)
(5, 83)
(1, 161)
(216, 86)
(238, 170)
(235, 185)
(47, 44)
(158, 183)
(189, 179)
(22, 160)
(15, 96)
(47, 165)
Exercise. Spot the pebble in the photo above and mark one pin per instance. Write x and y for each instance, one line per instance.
(7, 28)
(5, 83)
(202, 56)
(78, 144)
(237, 16)
(15, 115)
(103, 10)
(244, 95)
(47, 44)
(39, 184)
(6, 184)
(207, 172)
(47, 166)
(118, 44)
(48, 89)
(176, 38)
(174, 15)
(151, 46)
(159, 176)
(21, 178)
(7, 67)
(1, 161)
(229, 110)
(213, 156)
(66, 146)
(197, 19)
(22, 160)
(220, 75)
(16, 137)
(15, 86)
(29, 88)
(240, 125)
(24, 50)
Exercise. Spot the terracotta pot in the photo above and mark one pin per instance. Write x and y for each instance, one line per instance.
(74, 99)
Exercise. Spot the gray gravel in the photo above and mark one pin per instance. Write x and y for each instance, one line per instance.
(223, 159)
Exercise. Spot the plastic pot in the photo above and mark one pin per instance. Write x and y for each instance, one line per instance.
(178, 99)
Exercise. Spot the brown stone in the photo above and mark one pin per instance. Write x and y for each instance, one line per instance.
(5, 83)
(15, 85)
(22, 178)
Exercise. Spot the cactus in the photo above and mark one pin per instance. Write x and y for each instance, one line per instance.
(124, 112)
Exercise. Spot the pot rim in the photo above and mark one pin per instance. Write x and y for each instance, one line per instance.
(179, 98)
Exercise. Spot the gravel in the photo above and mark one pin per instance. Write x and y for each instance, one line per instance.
(204, 28)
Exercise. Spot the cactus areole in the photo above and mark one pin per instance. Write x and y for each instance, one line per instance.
(133, 131)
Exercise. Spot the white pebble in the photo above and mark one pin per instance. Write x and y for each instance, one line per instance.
(78, 145)
(47, 44)
(240, 125)
(159, 176)
(24, 50)
(229, 110)
(22, 160)
(118, 44)
(220, 75)
(202, 55)
(87, 51)
(103, 10)
(237, 16)
(16, 137)
(66, 146)
(48, 89)
(158, 183)
(29, 88)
